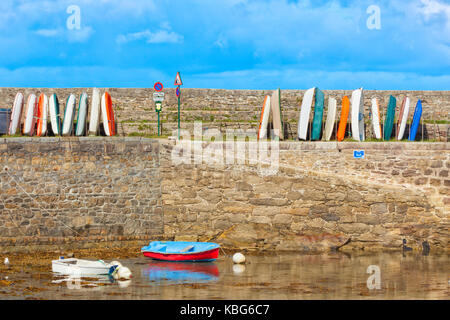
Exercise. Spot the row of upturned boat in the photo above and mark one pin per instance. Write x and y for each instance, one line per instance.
(351, 108)
(41, 110)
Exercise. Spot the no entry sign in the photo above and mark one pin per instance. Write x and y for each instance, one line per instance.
(158, 86)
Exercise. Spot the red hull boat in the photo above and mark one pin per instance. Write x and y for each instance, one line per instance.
(181, 251)
(203, 256)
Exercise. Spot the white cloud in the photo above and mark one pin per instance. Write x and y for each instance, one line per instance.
(160, 36)
(432, 8)
(48, 32)
(435, 7)
(81, 35)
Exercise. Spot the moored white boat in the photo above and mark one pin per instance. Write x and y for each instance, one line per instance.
(80, 267)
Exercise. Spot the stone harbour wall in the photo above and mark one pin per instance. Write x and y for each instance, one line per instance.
(239, 109)
(79, 191)
(320, 198)
(55, 190)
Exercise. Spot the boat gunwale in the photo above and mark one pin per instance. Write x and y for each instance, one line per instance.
(216, 247)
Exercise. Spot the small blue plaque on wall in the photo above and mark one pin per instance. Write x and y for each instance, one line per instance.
(359, 154)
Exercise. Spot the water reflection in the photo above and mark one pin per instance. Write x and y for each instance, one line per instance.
(181, 272)
(286, 276)
(76, 282)
(238, 268)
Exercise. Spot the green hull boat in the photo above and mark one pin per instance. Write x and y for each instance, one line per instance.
(318, 115)
(389, 122)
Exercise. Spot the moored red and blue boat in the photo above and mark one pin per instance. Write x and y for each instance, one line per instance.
(181, 251)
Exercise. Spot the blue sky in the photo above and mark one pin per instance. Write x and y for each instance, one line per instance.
(230, 44)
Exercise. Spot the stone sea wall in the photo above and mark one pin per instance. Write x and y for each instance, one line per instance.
(78, 190)
(319, 199)
(240, 109)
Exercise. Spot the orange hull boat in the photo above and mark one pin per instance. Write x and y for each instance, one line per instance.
(344, 118)
(42, 116)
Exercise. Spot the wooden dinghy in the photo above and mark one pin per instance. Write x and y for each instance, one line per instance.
(331, 117)
(42, 115)
(344, 118)
(264, 121)
(30, 115)
(80, 128)
(80, 267)
(16, 114)
(55, 118)
(403, 118)
(94, 117)
(181, 251)
(108, 115)
(305, 111)
(416, 121)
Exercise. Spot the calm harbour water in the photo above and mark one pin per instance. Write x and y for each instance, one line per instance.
(287, 277)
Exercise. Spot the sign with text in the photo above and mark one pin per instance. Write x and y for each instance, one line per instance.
(158, 96)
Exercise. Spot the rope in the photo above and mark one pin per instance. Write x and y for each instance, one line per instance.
(10, 217)
(24, 191)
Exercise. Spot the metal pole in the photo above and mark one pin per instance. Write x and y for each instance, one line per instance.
(179, 102)
(158, 125)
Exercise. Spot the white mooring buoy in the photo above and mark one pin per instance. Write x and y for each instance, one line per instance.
(238, 258)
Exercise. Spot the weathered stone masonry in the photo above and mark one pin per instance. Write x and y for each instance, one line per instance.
(78, 191)
(73, 190)
(320, 197)
(234, 109)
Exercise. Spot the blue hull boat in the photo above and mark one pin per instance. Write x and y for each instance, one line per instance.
(416, 121)
(181, 251)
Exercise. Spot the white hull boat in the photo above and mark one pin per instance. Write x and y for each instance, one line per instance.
(305, 111)
(80, 267)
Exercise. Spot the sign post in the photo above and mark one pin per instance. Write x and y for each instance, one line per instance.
(158, 97)
(178, 83)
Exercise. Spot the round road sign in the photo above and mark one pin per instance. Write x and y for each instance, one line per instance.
(158, 86)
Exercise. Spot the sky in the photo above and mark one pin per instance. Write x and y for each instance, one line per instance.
(228, 44)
